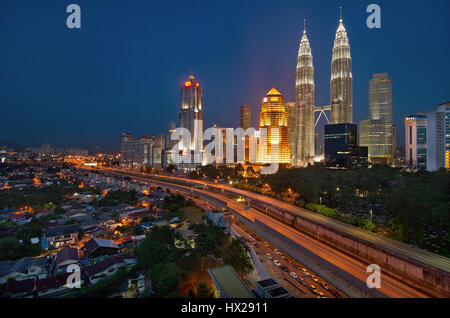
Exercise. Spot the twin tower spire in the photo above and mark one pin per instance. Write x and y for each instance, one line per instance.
(341, 101)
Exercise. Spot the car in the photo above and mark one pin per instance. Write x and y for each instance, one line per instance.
(301, 281)
(296, 266)
(269, 256)
(284, 268)
(315, 279)
(276, 262)
(293, 275)
(321, 295)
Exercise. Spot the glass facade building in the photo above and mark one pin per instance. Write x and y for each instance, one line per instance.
(191, 112)
(438, 137)
(416, 141)
(341, 147)
(378, 132)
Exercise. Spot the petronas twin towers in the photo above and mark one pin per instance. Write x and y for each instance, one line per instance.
(341, 106)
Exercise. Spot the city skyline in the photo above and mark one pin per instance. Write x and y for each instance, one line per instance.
(97, 115)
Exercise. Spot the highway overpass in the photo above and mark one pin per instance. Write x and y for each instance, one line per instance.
(421, 273)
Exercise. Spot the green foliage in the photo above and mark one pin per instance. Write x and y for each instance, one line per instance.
(158, 254)
(117, 197)
(416, 204)
(12, 249)
(238, 257)
(37, 198)
(326, 211)
(203, 291)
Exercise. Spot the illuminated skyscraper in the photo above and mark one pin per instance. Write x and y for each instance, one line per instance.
(377, 132)
(274, 118)
(246, 123)
(191, 112)
(438, 137)
(302, 132)
(291, 111)
(416, 141)
(341, 79)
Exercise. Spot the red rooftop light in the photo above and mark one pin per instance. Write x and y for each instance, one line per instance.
(187, 83)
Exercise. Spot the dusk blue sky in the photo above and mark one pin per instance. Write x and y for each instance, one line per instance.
(122, 71)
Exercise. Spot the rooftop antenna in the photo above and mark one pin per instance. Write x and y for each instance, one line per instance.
(304, 26)
(340, 9)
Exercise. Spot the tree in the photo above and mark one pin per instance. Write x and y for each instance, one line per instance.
(203, 291)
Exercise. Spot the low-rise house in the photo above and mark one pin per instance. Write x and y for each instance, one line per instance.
(39, 267)
(97, 230)
(99, 247)
(66, 257)
(228, 284)
(53, 285)
(104, 269)
(136, 215)
(75, 213)
(17, 288)
(62, 235)
(21, 218)
(24, 268)
(269, 288)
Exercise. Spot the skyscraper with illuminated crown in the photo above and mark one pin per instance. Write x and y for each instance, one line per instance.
(341, 78)
(274, 119)
(302, 145)
(191, 112)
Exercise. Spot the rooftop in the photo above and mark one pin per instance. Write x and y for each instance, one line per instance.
(229, 283)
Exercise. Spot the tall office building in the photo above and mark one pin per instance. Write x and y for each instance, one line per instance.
(438, 137)
(378, 132)
(167, 155)
(291, 112)
(246, 116)
(416, 141)
(341, 78)
(191, 112)
(274, 118)
(142, 152)
(341, 147)
(246, 123)
(302, 135)
(127, 149)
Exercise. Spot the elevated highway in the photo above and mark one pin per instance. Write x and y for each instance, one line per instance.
(414, 272)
